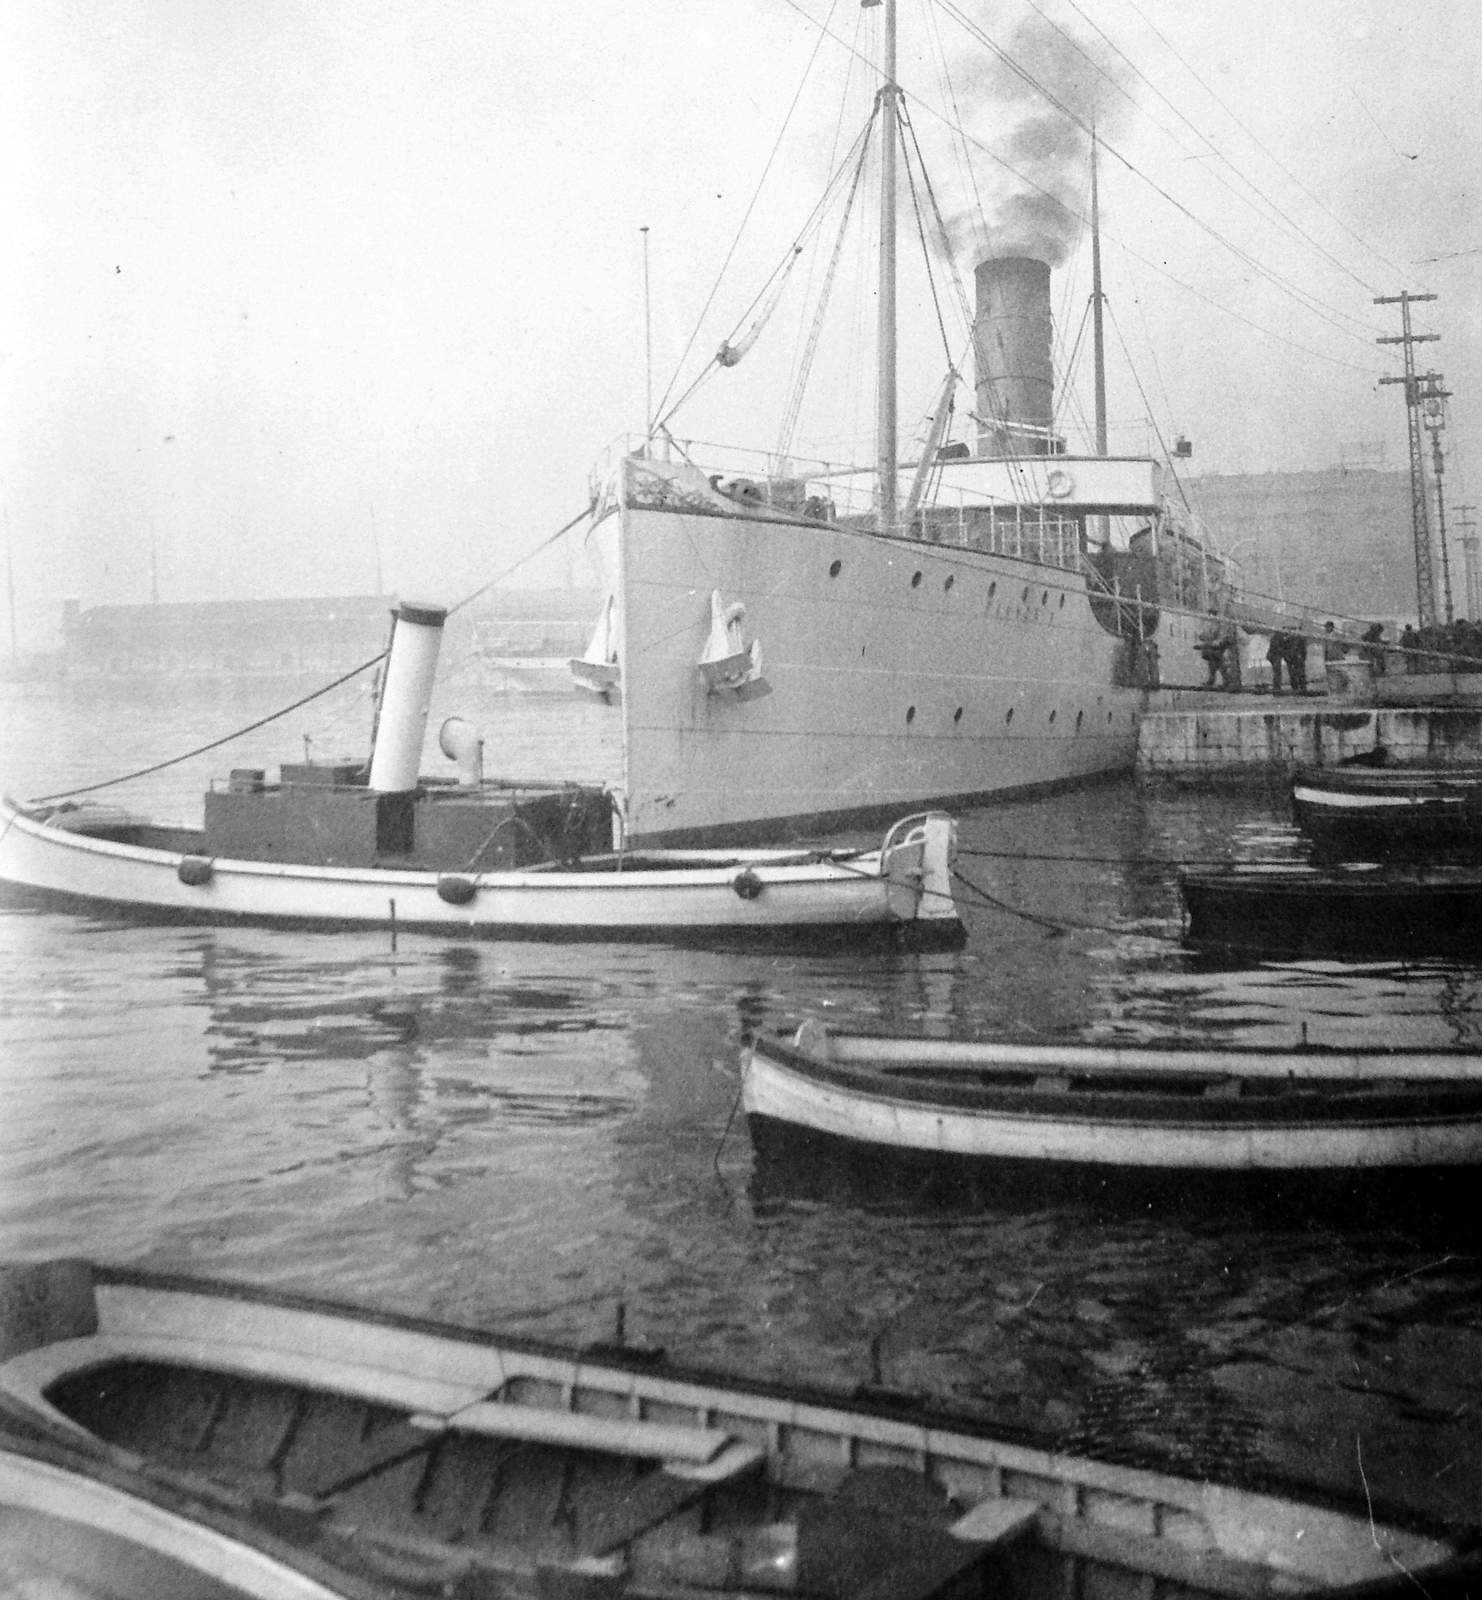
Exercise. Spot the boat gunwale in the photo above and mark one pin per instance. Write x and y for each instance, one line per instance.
(925, 1431)
(1373, 1104)
(783, 866)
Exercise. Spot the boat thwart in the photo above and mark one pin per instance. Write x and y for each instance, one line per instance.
(425, 1458)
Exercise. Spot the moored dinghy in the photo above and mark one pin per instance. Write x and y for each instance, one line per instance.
(1381, 810)
(1154, 1109)
(391, 1455)
(345, 845)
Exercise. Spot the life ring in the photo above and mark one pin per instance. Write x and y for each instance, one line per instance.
(747, 884)
(1060, 484)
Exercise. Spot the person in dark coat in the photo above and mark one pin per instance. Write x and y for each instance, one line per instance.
(1296, 661)
(1276, 655)
(1373, 648)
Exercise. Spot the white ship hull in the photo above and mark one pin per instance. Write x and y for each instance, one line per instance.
(901, 672)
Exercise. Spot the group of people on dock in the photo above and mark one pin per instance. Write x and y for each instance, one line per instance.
(1449, 647)
(1442, 647)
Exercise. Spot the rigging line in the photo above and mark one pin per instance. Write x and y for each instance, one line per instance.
(1276, 279)
(741, 228)
(833, 155)
(1292, 225)
(274, 716)
(931, 282)
(810, 224)
(1152, 347)
(963, 304)
(993, 156)
(1377, 254)
(200, 750)
(1148, 407)
(805, 367)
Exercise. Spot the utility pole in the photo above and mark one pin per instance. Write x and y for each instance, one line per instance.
(1425, 581)
(1433, 407)
(1469, 554)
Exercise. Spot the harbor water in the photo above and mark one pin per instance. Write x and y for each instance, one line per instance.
(527, 1137)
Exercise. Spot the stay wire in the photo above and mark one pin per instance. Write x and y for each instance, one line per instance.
(1277, 279)
(741, 228)
(1147, 261)
(275, 716)
(1292, 227)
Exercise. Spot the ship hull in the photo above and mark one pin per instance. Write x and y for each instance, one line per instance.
(899, 671)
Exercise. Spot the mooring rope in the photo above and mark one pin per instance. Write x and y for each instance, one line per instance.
(274, 716)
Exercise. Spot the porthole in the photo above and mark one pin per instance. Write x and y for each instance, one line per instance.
(1108, 716)
(915, 580)
(957, 715)
(1062, 602)
(1044, 599)
(993, 588)
(1008, 715)
(1052, 716)
(910, 715)
(1024, 598)
(947, 582)
(1080, 717)
(836, 569)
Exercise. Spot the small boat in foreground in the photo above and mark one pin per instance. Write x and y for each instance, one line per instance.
(1379, 811)
(75, 1528)
(1150, 1108)
(375, 845)
(1347, 908)
(387, 1455)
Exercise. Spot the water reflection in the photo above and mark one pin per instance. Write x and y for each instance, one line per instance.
(526, 1136)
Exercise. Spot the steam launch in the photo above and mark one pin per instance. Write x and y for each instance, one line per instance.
(799, 644)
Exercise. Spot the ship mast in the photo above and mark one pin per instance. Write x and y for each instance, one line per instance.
(1099, 345)
(886, 443)
(1097, 340)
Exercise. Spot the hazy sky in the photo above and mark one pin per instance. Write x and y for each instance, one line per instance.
(292, 288)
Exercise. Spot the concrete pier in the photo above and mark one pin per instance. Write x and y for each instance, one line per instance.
(1190, 737)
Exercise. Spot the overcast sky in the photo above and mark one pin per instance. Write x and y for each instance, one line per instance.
(300, 290)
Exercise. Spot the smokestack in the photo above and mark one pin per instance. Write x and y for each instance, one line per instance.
(1011, 349)
(406, 697)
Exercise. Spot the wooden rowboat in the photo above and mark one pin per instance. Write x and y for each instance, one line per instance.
(1343, 909)
(1152, 1109)
(98, 857)
(1379, 812)
(385, 1455)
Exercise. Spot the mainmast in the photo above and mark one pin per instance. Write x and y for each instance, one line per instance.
(886, 443)
(1099, 345)
(1098, 342)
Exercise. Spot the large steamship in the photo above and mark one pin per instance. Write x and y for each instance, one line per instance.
(805, 646)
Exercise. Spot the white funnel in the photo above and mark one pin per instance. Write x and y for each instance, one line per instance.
(411, 670)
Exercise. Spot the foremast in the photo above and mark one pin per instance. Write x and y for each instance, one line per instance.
(886, 427)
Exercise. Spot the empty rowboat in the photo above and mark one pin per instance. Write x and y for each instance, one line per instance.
(1342, 909)
(1150, 1109)
(390, 1456)
(1382, 811)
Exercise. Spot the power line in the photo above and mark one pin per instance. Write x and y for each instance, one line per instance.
(1278, 280)
(1276, 160)
(1292, 225)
